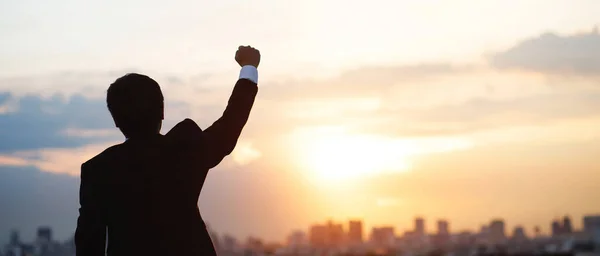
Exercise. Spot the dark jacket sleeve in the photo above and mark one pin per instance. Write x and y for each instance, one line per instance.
(218, 140)
(221, 137)
(90, 236)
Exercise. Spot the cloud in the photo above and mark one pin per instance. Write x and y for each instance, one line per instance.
(363, 81)
(245, 153)
(432, 99)
(69, 160)
(58, 119)
(36, 122)
(59, 131)
(480, 114)
(550, 53)
(68, 83)
(56, 160)
(13, 161)
(90, 133)
(426, 100)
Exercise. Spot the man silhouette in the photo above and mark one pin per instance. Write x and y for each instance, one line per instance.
(140, 197)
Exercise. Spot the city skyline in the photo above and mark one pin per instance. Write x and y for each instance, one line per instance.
(352, 229)
(444, 109)
(333, 238)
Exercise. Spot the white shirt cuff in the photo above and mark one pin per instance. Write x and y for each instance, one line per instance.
(249, 72)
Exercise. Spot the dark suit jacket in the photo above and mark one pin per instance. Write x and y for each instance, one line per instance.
(144, 192)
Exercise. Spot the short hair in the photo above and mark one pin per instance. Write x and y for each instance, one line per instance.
(136, 104)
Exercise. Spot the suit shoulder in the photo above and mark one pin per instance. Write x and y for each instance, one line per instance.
(101, 158)
(184, 128)
(189, 123)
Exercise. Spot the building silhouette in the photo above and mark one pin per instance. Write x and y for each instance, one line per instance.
(335, 234)
(317, 236)
(14, 238)
(567, 227)
(443, 227)
(556, 228)
(297, 239)
(419, 226)
(591, 226)
(383, 236)
(355, 232)
(497, 231)
(44, 234)
(519, 234)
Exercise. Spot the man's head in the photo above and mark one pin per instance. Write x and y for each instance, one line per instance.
(136, 104)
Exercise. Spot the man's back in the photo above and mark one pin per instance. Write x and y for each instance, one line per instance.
(149, 190)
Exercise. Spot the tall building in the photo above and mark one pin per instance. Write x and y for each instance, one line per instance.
(567, 227)
(484, 234)
(44, 234)
(329, 235)
(383, 236)
(297, 239)
(443, 227)
(519, 234)
(419, 226)
(335, 233)
(317, 236)
(484, 229)
(556, 228)
(44, 240)
(591, 225)
(497, 231)
(355, 232)
(14, 238)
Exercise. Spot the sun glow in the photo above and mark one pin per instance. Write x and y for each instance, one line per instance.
(339, 157)
(333, 154)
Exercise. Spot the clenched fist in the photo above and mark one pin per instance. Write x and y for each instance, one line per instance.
(247, 55)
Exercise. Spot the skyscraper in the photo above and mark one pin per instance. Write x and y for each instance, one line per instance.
(318, 236)
(383, 236)
(556, 228)
(497, 231)
(591, 225)
(519, 234)
(567, 227)
(335, 234)
(297, 239)
(419, 226)
(355, 232)
(44, 234)
(443, 227)
(14, 238)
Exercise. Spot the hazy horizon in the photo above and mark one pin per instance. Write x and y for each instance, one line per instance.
(459, 110)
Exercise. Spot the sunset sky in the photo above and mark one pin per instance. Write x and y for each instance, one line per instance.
(379, 110)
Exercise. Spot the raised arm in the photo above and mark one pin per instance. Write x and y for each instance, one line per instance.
(219, 140)
(90, 236)
(221, 137)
